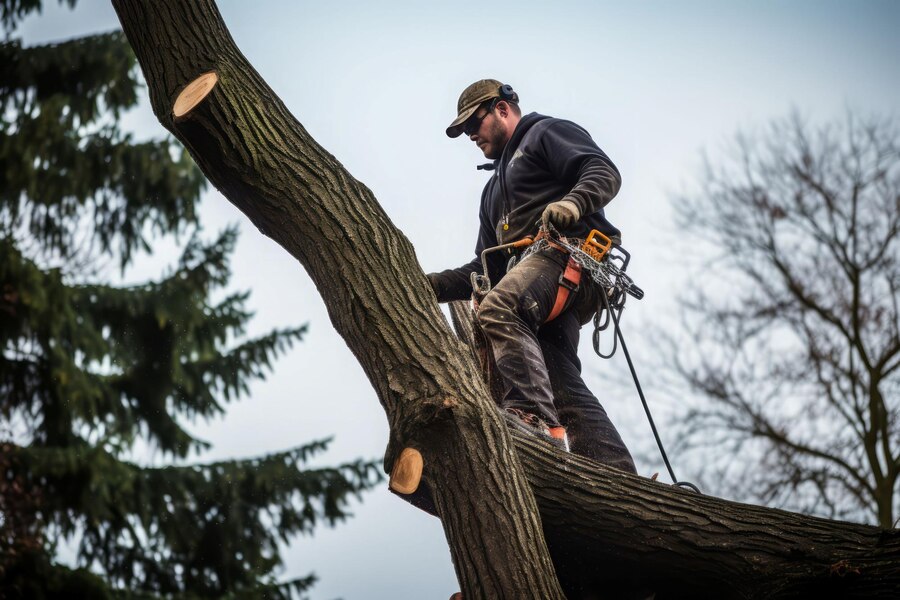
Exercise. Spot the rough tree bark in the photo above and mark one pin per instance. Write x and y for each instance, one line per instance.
(263, 160)
(605, 525)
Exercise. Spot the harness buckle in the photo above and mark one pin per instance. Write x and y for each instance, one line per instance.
(570, 278)
(569, 282)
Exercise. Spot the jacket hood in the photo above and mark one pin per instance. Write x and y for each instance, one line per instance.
(527, 122)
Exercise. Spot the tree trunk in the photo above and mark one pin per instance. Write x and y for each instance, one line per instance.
(263, 160)
(605, 523)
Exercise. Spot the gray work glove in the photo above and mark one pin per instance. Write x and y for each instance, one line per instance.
(563, 214)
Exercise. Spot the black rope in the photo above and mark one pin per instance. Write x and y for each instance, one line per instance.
(598, 327)
(620, 305)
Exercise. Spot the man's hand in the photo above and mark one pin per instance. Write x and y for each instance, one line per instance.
(563, 214)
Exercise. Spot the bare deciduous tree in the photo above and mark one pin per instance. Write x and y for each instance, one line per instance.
(797, 360)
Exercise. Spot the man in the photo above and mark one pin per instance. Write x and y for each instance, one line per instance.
(549, 170)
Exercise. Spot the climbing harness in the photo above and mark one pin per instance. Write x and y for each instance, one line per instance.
(605, 263)
(597, 257)
(569, 282)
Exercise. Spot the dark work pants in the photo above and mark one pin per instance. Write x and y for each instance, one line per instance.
(539, 362)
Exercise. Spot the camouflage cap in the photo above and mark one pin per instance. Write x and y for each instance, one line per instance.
(470, 99)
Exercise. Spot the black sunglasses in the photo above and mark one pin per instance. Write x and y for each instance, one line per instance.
(473, 123)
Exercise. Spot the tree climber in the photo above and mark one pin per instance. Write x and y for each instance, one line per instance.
(549, 171)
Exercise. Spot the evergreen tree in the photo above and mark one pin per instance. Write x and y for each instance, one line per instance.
(90, 369)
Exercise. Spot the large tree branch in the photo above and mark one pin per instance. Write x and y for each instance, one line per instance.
(679, 538)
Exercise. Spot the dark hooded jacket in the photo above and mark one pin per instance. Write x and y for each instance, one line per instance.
(546, 160)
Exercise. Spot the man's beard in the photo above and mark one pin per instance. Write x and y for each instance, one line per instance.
(496, 142)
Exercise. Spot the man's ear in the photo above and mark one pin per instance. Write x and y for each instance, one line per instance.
(502, 107)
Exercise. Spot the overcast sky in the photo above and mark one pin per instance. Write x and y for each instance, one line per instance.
(376, 83)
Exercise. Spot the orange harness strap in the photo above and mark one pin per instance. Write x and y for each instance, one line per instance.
(568, 283)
